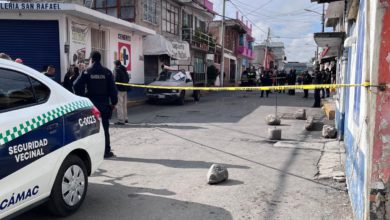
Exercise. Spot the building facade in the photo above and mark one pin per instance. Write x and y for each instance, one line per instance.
(238, 53)
(362, 115)
(62, 34)
(276, 51)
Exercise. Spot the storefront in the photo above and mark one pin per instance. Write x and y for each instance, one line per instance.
(159, 51)
(60, 34)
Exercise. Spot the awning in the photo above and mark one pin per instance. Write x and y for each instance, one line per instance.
(159, 45)
(76, 11)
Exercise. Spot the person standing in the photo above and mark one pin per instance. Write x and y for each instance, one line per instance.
(328, 80)
(121, 76)
(98, 83)
(50, 72)
(291, 80)
(70, 77)
(265, 81)
(306, 80)
(317, 97)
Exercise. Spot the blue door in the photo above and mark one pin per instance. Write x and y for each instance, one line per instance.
(36, 42)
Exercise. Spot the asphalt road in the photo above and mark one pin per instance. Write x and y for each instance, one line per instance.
(165, 151)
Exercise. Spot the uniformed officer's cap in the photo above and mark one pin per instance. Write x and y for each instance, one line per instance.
(96, 56)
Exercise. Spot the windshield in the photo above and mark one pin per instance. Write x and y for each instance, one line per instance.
(171, 76)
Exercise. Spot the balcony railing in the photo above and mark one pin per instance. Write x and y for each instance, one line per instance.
(245, 51)
(199, 40)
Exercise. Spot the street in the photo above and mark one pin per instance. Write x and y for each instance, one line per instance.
(164, 153)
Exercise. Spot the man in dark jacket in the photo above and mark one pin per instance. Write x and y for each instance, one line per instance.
(98, 83)
(70, 77)
(121, 76)
(317, 97)
(266, 80)
(306, 80)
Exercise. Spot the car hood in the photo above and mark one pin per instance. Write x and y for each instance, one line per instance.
(165, 83)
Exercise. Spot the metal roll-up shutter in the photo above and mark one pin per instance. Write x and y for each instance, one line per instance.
(36, 42)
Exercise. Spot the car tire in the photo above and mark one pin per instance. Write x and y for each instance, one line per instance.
(182, 97)
(196, 96)
(70, 187)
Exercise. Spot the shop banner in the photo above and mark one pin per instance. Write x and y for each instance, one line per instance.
(78, 45)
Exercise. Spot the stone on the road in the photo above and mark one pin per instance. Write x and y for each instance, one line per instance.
(329, 131)
(274, 134)
(217, 174)
(300, 114)
(272, 119)
(309, 124)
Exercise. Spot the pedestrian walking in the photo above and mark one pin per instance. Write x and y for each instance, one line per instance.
(121, 76)
(71, 76)
(97, 83)
(306, 80)
(317, 97)
(266, 80)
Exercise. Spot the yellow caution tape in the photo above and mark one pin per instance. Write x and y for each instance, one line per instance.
(247, 88)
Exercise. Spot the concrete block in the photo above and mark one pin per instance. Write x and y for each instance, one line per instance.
(272, 120)
(274, 134)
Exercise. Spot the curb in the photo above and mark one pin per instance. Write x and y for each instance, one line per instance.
(135, 103)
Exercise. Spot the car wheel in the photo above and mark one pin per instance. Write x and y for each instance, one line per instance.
(196, 96)
(70, 187)
(182, 97)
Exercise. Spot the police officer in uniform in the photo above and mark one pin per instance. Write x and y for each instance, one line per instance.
(101, 90)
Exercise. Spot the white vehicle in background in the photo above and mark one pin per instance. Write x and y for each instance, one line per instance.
(173, 78)
(50, 142)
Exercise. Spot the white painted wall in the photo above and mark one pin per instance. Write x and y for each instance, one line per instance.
(137, 62)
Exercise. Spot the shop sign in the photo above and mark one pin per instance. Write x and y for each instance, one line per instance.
(124, 37)
(124, 51)
(181, 50)
(29, 6)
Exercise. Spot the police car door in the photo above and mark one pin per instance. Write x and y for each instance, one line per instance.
(31, 130)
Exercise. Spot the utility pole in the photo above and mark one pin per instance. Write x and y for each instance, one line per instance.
(221, 77)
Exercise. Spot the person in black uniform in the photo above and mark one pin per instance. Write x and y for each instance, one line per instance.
(101, 90)
(306, 80)
(317, 97)
(266, 80)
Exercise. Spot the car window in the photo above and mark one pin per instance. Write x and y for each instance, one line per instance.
(41, 91)
(15, 90)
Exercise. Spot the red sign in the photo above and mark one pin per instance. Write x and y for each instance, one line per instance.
(124, 51)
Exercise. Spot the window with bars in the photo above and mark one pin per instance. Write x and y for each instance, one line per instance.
(150, 13)
(98, 43)
(124, 9)
(170, 18)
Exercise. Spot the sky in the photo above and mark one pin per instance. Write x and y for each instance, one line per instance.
(288, 21)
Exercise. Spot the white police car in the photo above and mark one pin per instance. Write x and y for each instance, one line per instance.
(50, 141)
